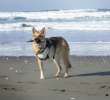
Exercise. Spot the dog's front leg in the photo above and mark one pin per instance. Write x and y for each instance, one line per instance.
(40, 64)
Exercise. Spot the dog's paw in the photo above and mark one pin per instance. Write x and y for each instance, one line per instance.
(66, 75)
(42, 78)
(58, 74)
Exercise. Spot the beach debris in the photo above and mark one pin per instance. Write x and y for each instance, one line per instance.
(6, 78)
(16, 71)
(8, 89)
(11, 68)
(26, 61)
(4, 88)
(103, 86)
(72, 98)
(59, 90)
(106, 94)
(62, 90)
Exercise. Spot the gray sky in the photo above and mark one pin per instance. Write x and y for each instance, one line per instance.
(35, 5)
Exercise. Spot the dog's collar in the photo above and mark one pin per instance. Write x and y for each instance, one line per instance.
(47, 45)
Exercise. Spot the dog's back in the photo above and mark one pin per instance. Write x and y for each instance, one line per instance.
(60, 43)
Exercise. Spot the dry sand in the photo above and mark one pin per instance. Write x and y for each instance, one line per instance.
(89, 80)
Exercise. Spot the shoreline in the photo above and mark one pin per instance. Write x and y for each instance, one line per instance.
(69, 55)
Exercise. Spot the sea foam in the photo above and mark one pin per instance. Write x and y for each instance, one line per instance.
(89, 19)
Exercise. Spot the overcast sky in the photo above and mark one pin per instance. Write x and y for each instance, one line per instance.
(36, 5)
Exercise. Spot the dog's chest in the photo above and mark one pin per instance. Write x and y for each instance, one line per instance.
(44, 54)
(47, 53)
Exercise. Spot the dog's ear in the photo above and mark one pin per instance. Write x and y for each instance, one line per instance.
(34, 30)
(43, 31)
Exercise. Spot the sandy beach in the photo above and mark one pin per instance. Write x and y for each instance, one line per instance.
(89, 79)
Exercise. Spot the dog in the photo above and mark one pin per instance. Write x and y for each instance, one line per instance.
(55, 48)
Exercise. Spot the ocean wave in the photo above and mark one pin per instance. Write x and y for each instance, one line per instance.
(54, 15)
(27, 26)
(81, 19)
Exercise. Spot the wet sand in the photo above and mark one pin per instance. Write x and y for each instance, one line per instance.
(89, 79)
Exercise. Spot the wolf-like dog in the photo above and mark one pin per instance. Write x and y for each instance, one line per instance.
(55, 48)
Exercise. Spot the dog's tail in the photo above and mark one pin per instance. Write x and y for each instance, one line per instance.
(67, 62)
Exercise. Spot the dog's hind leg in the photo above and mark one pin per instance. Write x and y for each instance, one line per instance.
(67, 64)
(57, 63)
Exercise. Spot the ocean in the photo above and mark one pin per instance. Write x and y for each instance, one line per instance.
(86, 30)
